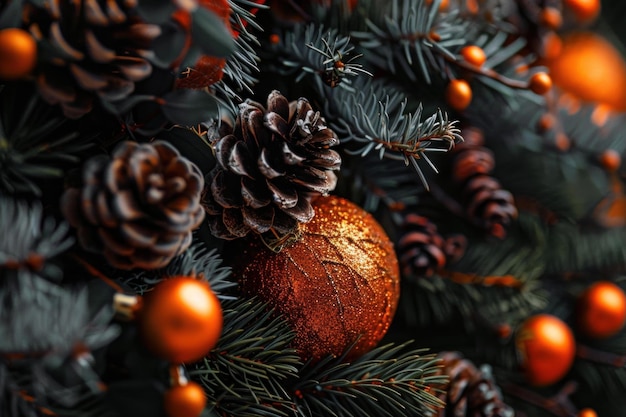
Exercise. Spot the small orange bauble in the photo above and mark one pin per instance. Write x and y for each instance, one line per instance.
(540, 83)
(602, 310)
(610, 160)
(474, 55)
(587, 412)
(181, 319)
(18, 53)
(339, 281)
(551, 18)
(184, 400)
(547, 349)
(591, 69)
(458, 94)
(584, 10)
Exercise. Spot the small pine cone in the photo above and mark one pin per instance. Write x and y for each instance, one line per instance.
(270, 166)
(104, 49)
(421, 248)
(490, 206)
(470, 392)
(139, 208)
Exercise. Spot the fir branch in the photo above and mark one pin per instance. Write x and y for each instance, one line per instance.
(34, 142)
(410, 36)
(30, 240)
(195, 261)
(380, 122)
(384, 382)
(244, 374)
(322, 52)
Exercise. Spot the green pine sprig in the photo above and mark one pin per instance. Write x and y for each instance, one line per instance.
(387, 381)
(244, 374)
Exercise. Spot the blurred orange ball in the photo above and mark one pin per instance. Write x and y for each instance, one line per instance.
(181, 319)
(551, 18)
(184, 400)
(540, 83)
(584, 10)
(18, 53)
(590, 68)
(602, 310)
(458, 94)
(587, 412)
(610, 160)
(547, 348)
(474, 55)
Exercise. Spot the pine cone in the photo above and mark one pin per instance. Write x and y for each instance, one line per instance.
(139, 208)
(490, 206)
(487, 204)
(469, 392)
(102, 49)
(269, 168)
(421, 248)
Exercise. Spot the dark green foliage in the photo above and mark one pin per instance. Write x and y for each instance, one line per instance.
(244, 374)
(387, 381)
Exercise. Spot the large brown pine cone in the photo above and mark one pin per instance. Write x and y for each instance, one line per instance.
(103, 48)
(139, 208)
(269, 168)
(470, 392)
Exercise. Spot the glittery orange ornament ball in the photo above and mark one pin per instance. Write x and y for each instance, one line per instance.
(547, 348)
(338, 281)
(181, 319)
(602, 310)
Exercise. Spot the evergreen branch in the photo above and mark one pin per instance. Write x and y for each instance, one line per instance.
(410, 34)
(383, 125)
(244, 374)
(29, 239)
(243, 63)
(34, 141)
(322, 52)
(38, 318)
(195, 261)
(384, 382)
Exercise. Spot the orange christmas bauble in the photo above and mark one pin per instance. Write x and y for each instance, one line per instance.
(547, 349)
(590, 68)
(18, 53)
(587, 412)
(602, 310)
(610, 160)
(184, 400)
(181, 319)
(458, 94)
(339, 281)
(584, 10)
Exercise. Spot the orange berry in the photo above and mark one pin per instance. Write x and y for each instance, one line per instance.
(584, 10)
(552, 45)
(474, 55)
(610, 160)
(551, 18)
(458, 94)
(184, 400)
(18, 53)
(540, 83)
(274, 39)
(442, 6)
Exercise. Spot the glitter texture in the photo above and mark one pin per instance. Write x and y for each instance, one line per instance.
(338, 282)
